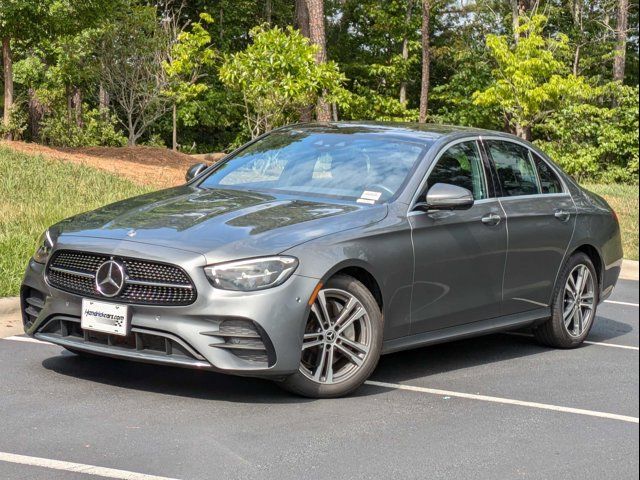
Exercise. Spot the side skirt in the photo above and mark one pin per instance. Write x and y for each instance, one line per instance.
(467, 330)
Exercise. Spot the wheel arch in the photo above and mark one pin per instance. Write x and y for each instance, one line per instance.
(596, 258)
(362, 272)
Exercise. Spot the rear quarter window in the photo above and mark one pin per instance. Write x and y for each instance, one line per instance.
(549, 181)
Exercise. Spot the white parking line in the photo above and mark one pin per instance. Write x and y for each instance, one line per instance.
(77, 467)
(18, 338)
(588, 342)
(506, 401)
(626, 304)
(612, 345)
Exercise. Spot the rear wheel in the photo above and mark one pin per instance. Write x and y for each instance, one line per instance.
(574, 308)
(342, 341)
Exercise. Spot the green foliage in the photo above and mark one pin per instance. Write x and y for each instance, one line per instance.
(598, 137)
(529, 81)
(96, 129)
(17, 123)
(277, 75)
(188, 57)
(364, 103)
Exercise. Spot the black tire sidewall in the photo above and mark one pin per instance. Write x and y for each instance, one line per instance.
(558, 329)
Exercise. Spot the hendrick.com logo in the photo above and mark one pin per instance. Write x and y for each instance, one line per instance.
(108, 316)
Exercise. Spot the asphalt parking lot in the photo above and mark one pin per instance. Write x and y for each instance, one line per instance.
(499, 406)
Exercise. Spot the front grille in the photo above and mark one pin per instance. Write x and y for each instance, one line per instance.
(146, 282)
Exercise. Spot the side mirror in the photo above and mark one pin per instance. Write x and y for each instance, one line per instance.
(443, 196)
(194, 171)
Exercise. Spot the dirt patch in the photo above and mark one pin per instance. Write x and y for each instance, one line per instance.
(158, 167)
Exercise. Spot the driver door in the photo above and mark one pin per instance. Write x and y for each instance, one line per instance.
(459, 255)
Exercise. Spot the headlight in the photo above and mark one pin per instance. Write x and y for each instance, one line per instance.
(253, 274)
(43, 249)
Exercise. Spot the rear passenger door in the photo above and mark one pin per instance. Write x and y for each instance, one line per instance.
(540, 217)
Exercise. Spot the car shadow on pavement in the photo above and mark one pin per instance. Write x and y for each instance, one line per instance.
(473, 352)
(397, 367)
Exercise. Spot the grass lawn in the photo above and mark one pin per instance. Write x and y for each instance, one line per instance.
(36, 193)
(624, 200)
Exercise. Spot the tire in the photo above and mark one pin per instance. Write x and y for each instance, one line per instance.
(570, 324)
(350, 353)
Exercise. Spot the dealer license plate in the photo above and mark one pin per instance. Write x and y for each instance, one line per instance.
(105, 317)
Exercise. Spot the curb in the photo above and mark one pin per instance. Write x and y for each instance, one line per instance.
(629, 270)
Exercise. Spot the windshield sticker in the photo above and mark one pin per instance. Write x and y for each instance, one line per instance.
(364, 200)
(369, 195)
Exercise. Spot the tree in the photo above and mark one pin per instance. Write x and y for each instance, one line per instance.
(426, 60)
(315, 9)
(132, 54)
(277, 75)
(621, 40)
(529, 79)
(189, 57)
(19, 20)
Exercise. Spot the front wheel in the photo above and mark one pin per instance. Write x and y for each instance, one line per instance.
(574, 305)
(342, 341)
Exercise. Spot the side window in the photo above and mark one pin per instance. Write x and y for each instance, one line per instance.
(549, 181)
(516, 173)
(461, 165)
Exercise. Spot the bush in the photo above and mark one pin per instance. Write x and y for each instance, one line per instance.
(598, 139)
(97, 130)
(17, 123)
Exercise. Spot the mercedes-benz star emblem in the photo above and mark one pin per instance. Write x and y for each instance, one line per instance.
(110, 278)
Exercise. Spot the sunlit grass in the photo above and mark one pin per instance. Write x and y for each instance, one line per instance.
(35, 193)
(624, 200)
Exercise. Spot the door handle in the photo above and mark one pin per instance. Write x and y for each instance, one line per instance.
(562, 215)
(492, 219)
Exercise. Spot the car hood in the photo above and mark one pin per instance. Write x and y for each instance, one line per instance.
(220, 224)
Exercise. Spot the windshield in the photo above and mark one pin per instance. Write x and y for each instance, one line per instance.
(358, 166)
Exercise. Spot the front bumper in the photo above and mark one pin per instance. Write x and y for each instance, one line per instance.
(197, 336)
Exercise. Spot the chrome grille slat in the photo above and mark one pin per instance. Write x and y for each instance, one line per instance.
(147, 282)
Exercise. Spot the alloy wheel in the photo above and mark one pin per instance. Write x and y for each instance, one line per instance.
(579, 300)
(337, 337)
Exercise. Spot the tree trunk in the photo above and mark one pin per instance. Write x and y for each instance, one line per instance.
(103, 102)
(621, 41)
(268, 11)
(174, 123)
(523, 132)
(426, 61)
(518, 8)
(317, 36)
(405, 50)
(301, 20)
(77, 106)
(36, 112)
(8, 83)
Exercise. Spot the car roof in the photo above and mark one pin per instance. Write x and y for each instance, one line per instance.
(407, 131)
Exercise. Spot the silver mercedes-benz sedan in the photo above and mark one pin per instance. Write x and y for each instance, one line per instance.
(309, 252)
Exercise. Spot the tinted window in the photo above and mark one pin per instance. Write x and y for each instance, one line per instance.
(328, 164)
(461, 165)
(549, 181)
(516, 173)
